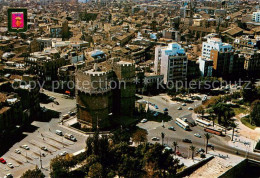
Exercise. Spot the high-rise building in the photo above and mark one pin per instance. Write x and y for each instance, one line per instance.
(256, 16)
(171, 62)
(214, 44)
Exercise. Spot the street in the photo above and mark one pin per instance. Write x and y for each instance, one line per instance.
(156, 128)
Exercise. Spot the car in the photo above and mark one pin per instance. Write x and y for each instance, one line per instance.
(58, 132)
(179, 108)
(2, 160)
(44, 148)
(155, 139)
(71, 113)
(210, 146)
(9, 175)
(197, 135)
(17, 151)
(184, 119)
(143, 120)
(184, 104)
(200, 150)
(171, 128)
(155, 114)
(63, 153)
(156, 107)
(178, 153)
(190, 108)
(56, 102)
(165, 109)
(168, 148)
(10, 165)
(186, 140)
(26, 147)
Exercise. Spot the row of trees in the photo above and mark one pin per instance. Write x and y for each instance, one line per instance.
(109, 157)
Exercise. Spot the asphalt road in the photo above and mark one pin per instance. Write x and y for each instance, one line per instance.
(155, 129)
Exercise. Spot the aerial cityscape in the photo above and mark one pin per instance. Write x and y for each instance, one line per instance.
(117, 88)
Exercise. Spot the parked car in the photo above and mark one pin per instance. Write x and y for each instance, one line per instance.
(210, 146)
(184, 104)
(9, 175)
(165, 109)
(187, 140)
(10, 165)
(168, 148)
(2, 160)
(156, 107)
(156, 114)
(190, 108)
(63, 153)
(200, 150)
(71, 113)
(44, 148)
(143, 120)
(155, 139)
(56, 102)
(58, 132)
(179, 108)
(26, 147)
(171, 128)
(70, 137)
(197, 135)
(178, 153)
(17, 151)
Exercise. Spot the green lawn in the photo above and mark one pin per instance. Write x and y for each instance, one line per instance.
(246, 122)
(240, 110)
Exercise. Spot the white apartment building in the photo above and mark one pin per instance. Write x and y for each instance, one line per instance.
(256, 16)
(171, 62)
(216, 44)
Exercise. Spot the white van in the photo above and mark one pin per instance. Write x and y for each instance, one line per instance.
(58, 132)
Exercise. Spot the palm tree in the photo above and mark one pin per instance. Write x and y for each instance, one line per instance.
(192, 148)
(211, 112)
(233, 125)
(207, 136)
(175, 144)
(162, 135)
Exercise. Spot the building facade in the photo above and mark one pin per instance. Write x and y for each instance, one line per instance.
(171, 62)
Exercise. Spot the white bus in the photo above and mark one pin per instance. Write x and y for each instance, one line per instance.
(205, 123)
(182, 124)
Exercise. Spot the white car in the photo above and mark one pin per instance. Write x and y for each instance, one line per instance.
(10, 165)
(9, 175)
(179, 108)
(63, 153)
(143, 120)
(17, 151)
(190, 108)
(25, 147)
(44, 148)
(197, 135)
(184, 104)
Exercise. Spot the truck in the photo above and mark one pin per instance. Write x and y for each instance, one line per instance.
(70, 137)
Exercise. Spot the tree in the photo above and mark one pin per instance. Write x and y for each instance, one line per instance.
(58, 167)
(35, 173)
(207, 137)
(249, 92)
(140, 136)
(192, 148)
(255, 112)
(233, 125)
(162, 135)
(199, 109)
(95, 170)
(212, 116)
(175, 144)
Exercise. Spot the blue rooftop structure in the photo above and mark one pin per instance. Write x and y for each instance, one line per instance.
(96, 53)
(174, 49)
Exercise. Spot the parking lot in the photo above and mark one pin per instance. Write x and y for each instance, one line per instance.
(43, 134)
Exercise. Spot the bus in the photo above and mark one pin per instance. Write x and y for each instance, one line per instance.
(204, 123)
(182, 124)
(213, 131)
